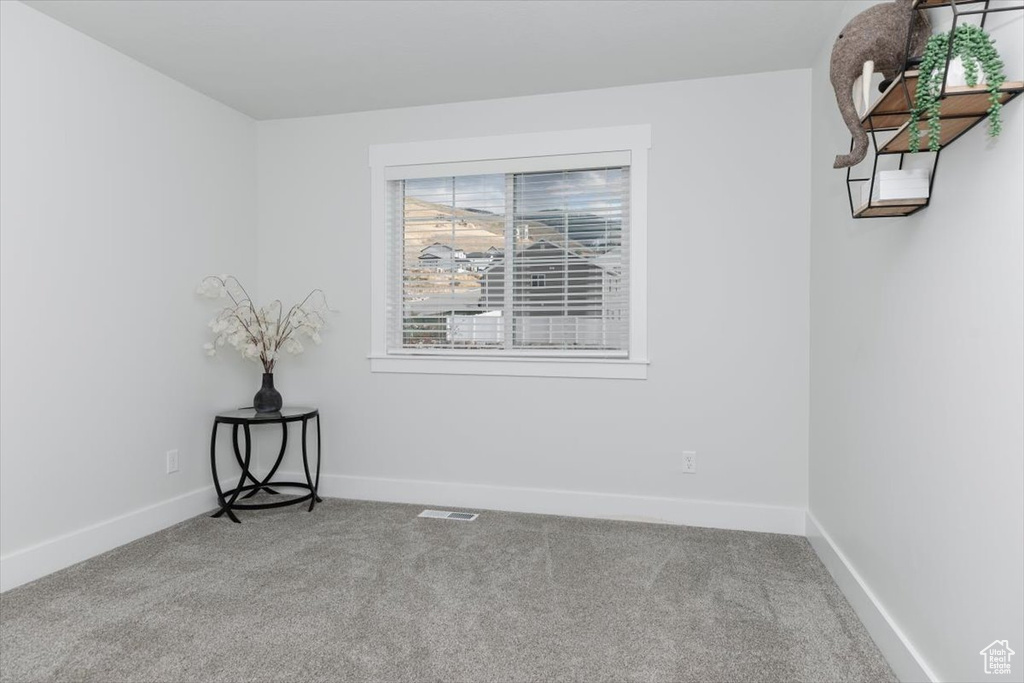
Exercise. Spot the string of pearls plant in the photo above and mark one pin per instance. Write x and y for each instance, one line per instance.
(261, 334)
(976, 49)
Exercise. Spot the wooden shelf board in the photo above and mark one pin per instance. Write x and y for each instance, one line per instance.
(892, 110)
(893, 101)
(882, 209)
(887, 122)
(951, 130)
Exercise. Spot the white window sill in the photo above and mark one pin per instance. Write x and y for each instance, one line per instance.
(596, 368)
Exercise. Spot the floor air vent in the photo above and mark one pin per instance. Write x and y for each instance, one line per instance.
(444, 514)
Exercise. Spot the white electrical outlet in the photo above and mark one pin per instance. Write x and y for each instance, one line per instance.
(172, 461)
(689, 462)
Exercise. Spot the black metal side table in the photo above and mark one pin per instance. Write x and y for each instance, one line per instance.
(245, 418)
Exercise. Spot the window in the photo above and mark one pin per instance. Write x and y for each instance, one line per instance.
(510, 262)
(511, 255)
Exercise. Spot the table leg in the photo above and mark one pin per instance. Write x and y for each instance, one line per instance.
(305, 466)
(280, 457)
(316, 482)
(238, 457)
(216, 480)
(245, 474)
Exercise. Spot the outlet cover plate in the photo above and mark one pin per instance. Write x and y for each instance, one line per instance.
(172, 461)
(690, 462)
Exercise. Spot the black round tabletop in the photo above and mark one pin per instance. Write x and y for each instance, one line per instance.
(287, 413)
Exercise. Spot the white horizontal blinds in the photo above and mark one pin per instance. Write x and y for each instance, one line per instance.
(394, 218)
(453, 228)
(559, 236)
(569, 264)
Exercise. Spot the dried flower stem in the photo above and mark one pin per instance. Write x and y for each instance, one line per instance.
(253, 331)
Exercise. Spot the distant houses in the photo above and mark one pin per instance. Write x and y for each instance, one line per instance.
(438, 251)
(481, 260)
(552, 280)
(446, 257)
(558, 297)
(443, 257)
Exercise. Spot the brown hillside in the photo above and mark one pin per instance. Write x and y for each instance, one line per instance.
(426, 223)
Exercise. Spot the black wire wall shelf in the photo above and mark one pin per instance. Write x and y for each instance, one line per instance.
(887, 121)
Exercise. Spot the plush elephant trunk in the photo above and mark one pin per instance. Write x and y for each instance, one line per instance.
(877, 35)
(843, 84)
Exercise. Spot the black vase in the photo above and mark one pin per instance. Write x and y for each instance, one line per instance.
(267, 399)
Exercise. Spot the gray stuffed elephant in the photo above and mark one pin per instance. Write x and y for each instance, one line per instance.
(874, 40)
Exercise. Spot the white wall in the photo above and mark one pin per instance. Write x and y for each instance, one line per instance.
(917, 335)
(728, 282)
(120, 189)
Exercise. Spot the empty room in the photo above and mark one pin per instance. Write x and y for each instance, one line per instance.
(496, 340)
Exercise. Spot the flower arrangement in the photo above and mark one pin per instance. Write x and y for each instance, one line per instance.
(261, 334)
(975, 48)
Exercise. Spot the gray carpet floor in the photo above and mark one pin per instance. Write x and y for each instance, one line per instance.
(360, 591)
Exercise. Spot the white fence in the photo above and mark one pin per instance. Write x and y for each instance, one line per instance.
(482, 328)
(489, 328)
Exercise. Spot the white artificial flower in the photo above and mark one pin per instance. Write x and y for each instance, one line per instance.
(260, 334)
(210, 288)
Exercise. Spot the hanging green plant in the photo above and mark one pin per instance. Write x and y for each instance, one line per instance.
(975, 49)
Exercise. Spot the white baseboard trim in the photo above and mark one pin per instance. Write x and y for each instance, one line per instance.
(903, 657)
(738, 516)
(29, 564)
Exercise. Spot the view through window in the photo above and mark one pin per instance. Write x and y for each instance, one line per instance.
(518, 263)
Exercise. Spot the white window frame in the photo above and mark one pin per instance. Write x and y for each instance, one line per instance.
(636, 140)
